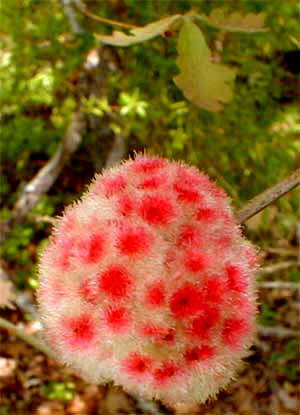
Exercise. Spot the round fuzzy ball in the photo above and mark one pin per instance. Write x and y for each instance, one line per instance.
(148, 282)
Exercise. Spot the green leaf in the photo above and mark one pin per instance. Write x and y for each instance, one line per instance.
(235, 22)
(205, 83)
(139, 34)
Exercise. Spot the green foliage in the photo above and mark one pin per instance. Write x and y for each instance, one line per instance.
(206, 84)
(287, 360)
(267, 316)
(132, 105)
(60, 391)
(4, 410)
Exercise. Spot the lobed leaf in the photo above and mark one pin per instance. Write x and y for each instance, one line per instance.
(205, 83)
(139, 34)
(235, 22)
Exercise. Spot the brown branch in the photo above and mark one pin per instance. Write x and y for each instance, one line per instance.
(82, 7)
(20, 298)
(277, 331)
(28, 338)
(71, 14)
(289, 251)
(46, 176)
(267, 197)
(280, 285)
(269, 269)
(117, 151)
(42, 219)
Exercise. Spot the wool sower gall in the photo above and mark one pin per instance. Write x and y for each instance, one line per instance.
(148, 282)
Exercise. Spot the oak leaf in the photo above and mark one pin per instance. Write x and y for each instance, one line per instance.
(205, 83)
(235, 22)
(139, 34)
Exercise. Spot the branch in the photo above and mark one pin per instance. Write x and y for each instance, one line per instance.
(71, 14)
(46, 176)
(278, 267)
(289, 251)
(117, 151)
(280, 285)
(82, 7)
(281, 332)
(267, 197)
(148, 406)
(32, 340)
(21, 299)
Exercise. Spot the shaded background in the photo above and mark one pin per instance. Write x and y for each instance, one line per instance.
(126, 101)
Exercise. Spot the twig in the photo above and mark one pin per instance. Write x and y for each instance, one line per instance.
(21, 299)
(46, 176)
(42, 219)
(267, 197)
(280, 285)
(281, 251)
(298, 238)
(277, 331)
(117, 151)
(291, 403)
(70, 12)
(147, 406)
(81, 7)
(269, 269)
(28, 338)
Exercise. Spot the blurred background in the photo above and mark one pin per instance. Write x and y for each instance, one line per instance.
(70, 101)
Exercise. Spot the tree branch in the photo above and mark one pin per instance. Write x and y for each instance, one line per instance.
(269, 269)
(82, 7)
(280, 285)
(32, 340)
(46, 176)
(21, 299)
(281, 332)
(71, 14)
(267, 197)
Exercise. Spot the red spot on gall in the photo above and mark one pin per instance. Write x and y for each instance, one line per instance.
(155, 294)
(157, 210)
(79, 331)
(196, 354)
(186, 301)
(137, 364)
(134, 240)
(233, 330)
(116, 319)
(115, 282)
(201, 326)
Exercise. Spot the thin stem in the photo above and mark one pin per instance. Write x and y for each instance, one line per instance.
(270, 269)
(71, 14)
(101, 19)
(32, 340)
(108, 21)
(267, 197)
(280, 285)
(281, 332)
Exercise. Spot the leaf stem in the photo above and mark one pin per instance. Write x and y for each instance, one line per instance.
(101, 19)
